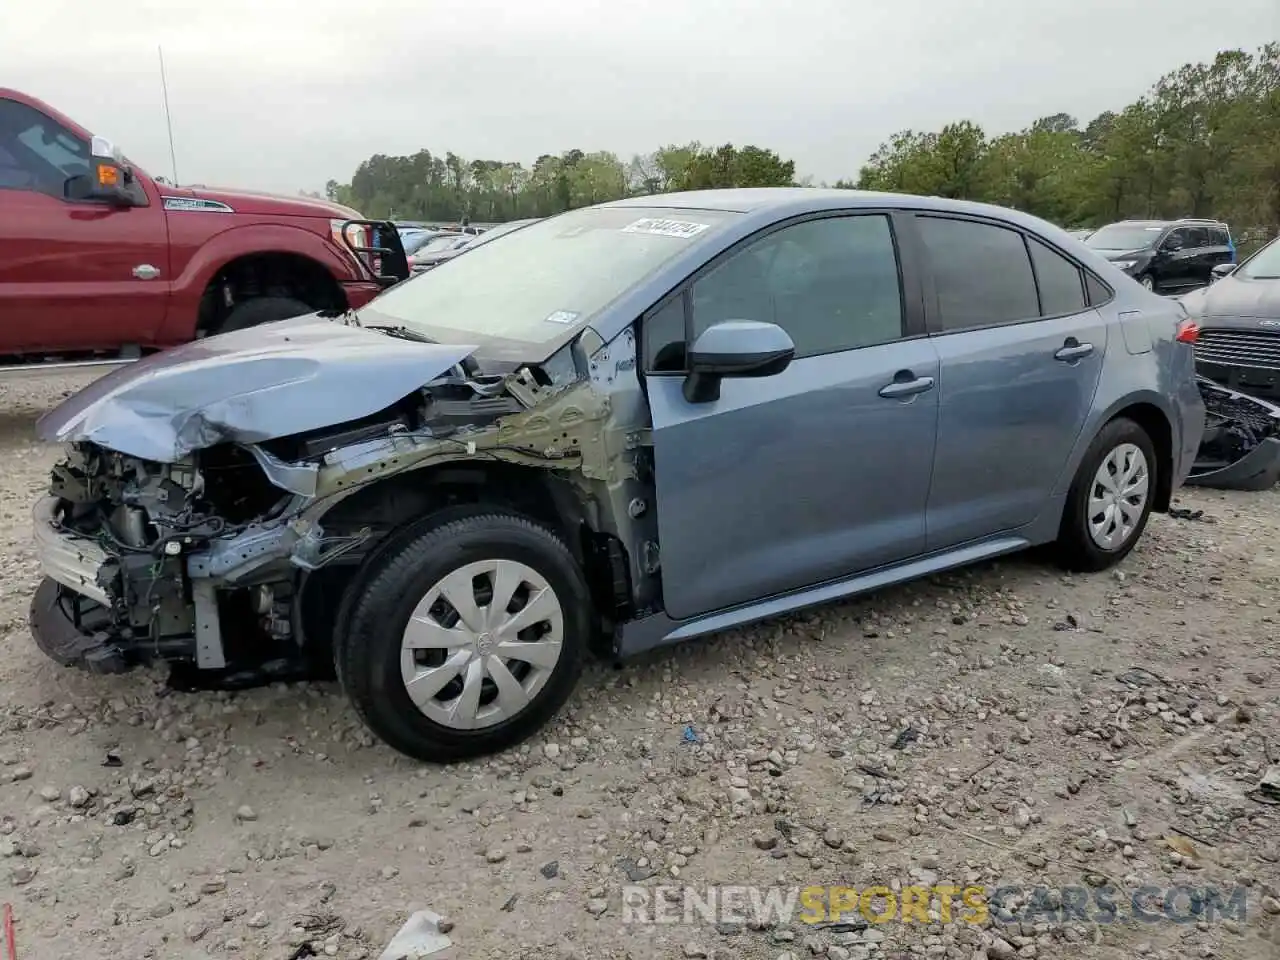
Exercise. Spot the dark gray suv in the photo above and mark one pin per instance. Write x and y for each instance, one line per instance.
(1166, 256)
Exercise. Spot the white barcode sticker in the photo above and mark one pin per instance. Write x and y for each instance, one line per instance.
(681, 229)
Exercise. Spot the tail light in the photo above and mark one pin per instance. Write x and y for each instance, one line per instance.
(1188, 332)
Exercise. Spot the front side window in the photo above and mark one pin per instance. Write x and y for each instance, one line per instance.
(831, 283)
(981, 274)
(548, 278)
(36, 153)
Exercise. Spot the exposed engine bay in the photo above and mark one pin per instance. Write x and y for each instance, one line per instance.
(228, 562)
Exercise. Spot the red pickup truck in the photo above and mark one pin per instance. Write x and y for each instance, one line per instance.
(100, 263)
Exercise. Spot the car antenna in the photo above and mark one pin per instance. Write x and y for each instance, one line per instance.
(164, 89)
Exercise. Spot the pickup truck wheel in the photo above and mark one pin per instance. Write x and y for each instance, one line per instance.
(1109, 502)
(263, 310)
(468, 638)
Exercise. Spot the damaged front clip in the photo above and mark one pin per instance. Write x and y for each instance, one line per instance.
(1240, 449)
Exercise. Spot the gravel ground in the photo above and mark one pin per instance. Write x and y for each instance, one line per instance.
(1001, 725)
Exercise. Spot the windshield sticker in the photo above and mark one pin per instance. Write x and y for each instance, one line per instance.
(563, 316)
(681, 229)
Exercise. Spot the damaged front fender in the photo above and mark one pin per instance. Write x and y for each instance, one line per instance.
(247, 387)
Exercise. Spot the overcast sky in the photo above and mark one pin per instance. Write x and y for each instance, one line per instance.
(286, 94)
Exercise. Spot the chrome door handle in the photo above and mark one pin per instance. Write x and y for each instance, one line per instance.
(1072, 351)
(900, 389)
(145, 271)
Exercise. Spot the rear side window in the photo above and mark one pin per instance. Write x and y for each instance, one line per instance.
(1060, 281)
(1098, 292)
(1218, 237)
(981, 273)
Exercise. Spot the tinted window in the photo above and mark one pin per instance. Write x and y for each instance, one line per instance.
(1218, 237)
(832, 284)
(1176, 240)
(1196, 237)
(1059, 280)
(36, 153)
(982, 274)
(1098, 291)
(664, 348)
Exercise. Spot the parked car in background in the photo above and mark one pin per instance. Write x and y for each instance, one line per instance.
(1166, 255)
(426, 262)
(100, 263)
(1082, 234)
(415, 241)
(427, 255)
(1239, 319)
(613, 430)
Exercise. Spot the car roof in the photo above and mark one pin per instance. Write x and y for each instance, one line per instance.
(778, 203)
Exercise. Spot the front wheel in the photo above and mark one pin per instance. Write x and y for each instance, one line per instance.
(251, 313)
(1148, 282)
(468, 638)
(1109, 502)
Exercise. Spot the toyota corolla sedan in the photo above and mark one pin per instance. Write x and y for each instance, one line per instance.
(618, 428)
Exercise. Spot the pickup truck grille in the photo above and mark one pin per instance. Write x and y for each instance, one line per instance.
(1239, 348)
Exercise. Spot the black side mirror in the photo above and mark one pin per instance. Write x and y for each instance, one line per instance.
(735, 348)
(106, 182)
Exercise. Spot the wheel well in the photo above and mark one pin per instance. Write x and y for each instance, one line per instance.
(268, 275)
(394, 508)
(1153, 420)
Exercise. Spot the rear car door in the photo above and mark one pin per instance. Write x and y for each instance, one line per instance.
(70, 271)
(814, 473)
(1021, 354)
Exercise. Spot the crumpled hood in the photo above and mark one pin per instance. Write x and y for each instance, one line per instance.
(1230, 297)
(248, 386)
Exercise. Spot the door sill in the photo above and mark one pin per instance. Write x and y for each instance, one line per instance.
(660, 630)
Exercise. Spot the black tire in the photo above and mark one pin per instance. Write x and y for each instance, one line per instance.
(263, 310)
(368, 650)
(1076, 549)
(1149, 279)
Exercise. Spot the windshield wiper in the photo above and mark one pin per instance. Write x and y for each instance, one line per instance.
(400, 331)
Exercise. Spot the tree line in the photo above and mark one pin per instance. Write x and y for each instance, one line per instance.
(1204, 141)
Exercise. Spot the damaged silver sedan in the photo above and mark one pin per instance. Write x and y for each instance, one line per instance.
(619, 428)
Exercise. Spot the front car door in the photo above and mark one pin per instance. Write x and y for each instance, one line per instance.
(809, 475)
(1021, 354)
(1175, 260)
(70, 271)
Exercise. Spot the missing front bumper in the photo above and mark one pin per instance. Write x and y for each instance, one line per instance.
(1241, 445)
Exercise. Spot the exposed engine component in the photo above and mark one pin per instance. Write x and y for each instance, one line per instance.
(1240, 448)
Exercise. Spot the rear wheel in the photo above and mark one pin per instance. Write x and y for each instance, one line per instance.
(1109, 502)
(467, 639)
(262, 310)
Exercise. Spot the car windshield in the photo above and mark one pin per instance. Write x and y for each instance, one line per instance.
(1123, 236)
(501, 230)
(547, 276)
(1263, 265)
(413, 242)
(446, 242)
